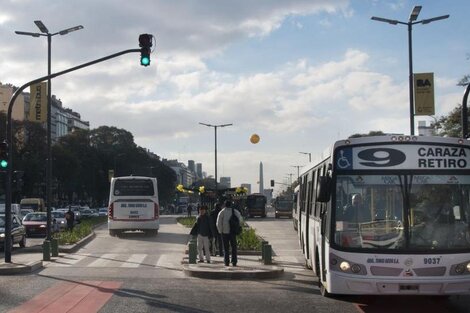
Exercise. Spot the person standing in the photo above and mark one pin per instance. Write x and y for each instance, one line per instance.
(218, 245)
(204, 232)
(70, 218)
(229, 238)
(189, 209)
(356, 212)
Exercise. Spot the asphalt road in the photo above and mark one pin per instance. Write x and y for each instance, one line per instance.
(148, 273)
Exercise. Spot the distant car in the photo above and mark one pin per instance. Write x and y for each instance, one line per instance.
(35, 223)
(87, 213)
(18, 233)
(25, 211)
(59, 217)
(103, 212)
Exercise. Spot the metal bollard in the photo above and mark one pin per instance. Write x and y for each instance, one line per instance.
(263, 247)
(268, 255)
(46, 250)
(192, 251)
(54, 247)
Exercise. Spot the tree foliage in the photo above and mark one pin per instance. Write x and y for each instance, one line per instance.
(370, 134)
(82, 162)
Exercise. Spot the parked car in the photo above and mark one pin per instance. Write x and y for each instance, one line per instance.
(87, 213)
(25, 211)
(103, 212)
(36, 223)
(18, 233)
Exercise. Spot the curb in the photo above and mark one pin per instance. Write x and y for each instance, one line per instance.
(13, 268)
(251, 273)
(78, 245)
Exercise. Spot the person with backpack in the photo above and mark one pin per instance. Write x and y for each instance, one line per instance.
(229, 223)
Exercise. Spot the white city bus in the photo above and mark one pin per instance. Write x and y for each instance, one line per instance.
(133, 205)
(410, 234)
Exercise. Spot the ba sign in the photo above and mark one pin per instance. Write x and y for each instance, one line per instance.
(424, 93)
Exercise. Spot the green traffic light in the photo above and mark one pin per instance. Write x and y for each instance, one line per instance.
(145, 61)
(3, 163)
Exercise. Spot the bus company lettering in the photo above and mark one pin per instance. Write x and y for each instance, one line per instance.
(383, 260)
(439, 157)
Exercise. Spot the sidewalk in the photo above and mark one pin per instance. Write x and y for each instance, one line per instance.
(28, 260)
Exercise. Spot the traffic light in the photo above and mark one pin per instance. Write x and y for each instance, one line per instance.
(202, 189)
(145, 43)
(3, 155)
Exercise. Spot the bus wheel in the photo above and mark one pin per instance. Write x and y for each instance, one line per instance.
(112, 232)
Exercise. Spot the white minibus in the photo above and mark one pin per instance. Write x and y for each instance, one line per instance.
(133, 205)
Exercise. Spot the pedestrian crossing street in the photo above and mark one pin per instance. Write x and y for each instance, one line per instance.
(115, 260)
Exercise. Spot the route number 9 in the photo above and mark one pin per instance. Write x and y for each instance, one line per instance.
(381, 157)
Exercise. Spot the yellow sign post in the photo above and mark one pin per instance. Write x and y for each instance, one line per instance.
(424, 93)
(38, 103)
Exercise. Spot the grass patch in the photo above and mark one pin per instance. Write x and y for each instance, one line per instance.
(187, 221)
(80, 231)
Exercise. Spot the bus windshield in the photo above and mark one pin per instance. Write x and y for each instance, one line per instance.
(371, 210)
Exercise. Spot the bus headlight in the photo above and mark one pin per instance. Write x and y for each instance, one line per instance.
(468, 267)
(344, 266)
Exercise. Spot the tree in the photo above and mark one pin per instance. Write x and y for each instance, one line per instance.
(371, 133)
(449, 125)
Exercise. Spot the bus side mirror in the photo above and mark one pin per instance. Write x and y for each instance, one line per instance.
(323, 190)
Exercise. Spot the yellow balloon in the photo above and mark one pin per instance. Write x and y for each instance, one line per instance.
(254, 138)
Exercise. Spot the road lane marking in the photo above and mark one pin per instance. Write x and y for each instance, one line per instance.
(134, 261)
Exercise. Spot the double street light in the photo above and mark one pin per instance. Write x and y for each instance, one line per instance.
(412, 20)
(215, 138)
(45, 32)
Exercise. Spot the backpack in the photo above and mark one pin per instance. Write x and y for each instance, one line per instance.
(234, 222)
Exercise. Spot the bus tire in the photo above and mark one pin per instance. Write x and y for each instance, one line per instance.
(112, 232)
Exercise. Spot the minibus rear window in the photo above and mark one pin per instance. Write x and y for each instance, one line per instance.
(133, 187)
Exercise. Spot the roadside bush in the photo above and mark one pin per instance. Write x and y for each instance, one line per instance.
(79, 231)
(186, 221)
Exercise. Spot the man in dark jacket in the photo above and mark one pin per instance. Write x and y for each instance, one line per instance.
(70, 218)
(218, 245)
(204, 232)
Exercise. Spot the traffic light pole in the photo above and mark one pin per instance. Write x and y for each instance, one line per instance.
(9, 138)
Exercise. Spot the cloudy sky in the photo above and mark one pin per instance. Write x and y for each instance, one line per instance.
(299, 73)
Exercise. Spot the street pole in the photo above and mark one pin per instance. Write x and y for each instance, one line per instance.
(465, 113)
(411, 86)
(411, 21)
(45, 32)
(309, 156)
(215, 144)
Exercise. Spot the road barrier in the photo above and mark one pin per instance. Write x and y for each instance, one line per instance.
(192, 250)
(55, 247)
(46, 250)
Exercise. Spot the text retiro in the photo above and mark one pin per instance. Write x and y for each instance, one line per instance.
(438, 157)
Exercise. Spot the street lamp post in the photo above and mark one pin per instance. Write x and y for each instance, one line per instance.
(412, 20)
(298, 171)
(215, 139)
(309, 156)
(45, 32)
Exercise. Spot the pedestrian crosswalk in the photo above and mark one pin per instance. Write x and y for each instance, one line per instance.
(116, 260)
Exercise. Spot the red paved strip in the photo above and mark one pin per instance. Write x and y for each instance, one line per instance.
(100, 296)
(87, 296)
(43, 299)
